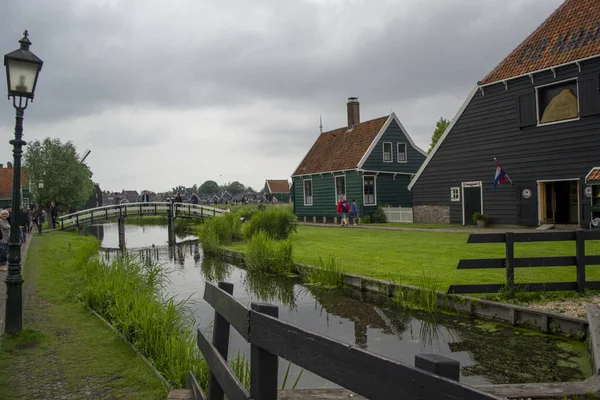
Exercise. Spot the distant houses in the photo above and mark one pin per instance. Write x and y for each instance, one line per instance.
(538, 114)
(371, 162)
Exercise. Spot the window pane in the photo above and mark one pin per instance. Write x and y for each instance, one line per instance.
(340, 187)
(387, 152)
(401, 152)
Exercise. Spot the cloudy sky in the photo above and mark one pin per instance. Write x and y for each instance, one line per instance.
(176, 92)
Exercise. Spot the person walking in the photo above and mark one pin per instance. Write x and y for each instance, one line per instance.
(53, 214)
(195, 199)
(145, 197)
(354, 211)
(4, 237)
(178, 198)
(343, 208)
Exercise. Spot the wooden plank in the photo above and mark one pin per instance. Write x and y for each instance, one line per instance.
(482, 263)
(221, 342)
(486, 238)
(591, 235)
(233, 388)
(229, 308)
(593, 317)
(476, 288)
(593, 285)
(318, 394)
(526, 262)
(192, 383)
(553, 390)
(544, 236)
(263, 364)
(592, 260)
(364, 373)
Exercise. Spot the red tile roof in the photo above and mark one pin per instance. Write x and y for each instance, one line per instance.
(340, 149)
(279, 185)
(6, 179)
(594, 176)
(571, 33)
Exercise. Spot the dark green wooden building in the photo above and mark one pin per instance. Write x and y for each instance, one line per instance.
(277, 190)
(372, 162)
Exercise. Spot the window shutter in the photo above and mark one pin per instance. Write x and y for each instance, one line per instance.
(527, 110)
(589, 96)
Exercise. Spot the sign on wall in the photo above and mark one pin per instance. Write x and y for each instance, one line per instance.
(526, 193)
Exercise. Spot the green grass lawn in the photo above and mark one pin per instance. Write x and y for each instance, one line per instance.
(65, 350)
(403, 256)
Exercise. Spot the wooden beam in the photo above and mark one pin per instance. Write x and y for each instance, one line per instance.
(229, 308)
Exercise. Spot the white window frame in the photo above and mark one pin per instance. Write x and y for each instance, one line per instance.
(337, 195)
(365, 203)
(405, 152)
(304, 192)
(25, 201)
(455, 193)
(537, 102)
(391, 160)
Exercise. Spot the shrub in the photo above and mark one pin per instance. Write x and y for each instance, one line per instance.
(366, 219)
(228, 227)
(276, 222)
(266, 255)
(379, 216)
(209, 240)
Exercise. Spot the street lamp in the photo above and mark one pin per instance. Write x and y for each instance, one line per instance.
(22, 70)
(39, 218)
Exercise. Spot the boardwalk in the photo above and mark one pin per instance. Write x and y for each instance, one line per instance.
(3, 274)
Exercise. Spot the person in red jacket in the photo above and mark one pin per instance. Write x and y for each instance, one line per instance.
(343, 208)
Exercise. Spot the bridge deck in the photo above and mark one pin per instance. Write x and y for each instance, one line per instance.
(93, 215)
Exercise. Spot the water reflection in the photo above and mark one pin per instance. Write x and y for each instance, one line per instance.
(487, 352)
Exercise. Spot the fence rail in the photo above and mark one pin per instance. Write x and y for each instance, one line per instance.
(510, 262)
(364, 373)
(92, 215)
(398, 214)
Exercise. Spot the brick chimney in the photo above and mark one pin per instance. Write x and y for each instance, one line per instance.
(353, 112)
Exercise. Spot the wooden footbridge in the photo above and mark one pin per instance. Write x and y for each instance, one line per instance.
(120, 211)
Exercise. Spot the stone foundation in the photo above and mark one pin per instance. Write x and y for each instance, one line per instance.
(431, 214)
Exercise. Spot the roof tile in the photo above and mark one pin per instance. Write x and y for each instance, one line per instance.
(571, 33)
(340, 149)
(279, 185)
(594, 176)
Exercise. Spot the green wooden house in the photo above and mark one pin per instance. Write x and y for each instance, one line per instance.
(277, 190)
(372, 162)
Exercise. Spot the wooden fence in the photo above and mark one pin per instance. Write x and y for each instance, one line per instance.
(398, 214)
(362, 372)
(510, 262)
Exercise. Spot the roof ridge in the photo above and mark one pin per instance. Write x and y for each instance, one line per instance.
(360, 123)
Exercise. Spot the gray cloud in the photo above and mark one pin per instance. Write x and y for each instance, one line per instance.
(197, 82)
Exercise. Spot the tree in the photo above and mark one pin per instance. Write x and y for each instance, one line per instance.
(236, 187)
(208, 187)
(179, 189)
(66, 181)
(440, 128)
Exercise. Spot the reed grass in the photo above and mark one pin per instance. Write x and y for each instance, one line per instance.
(126, 292)
(209, 238)
(327, 273)
(266, 255)
(276, 223)
(424, 297)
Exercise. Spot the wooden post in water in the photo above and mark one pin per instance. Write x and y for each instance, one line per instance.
(121, 225)
(221, 342)
(171, 226)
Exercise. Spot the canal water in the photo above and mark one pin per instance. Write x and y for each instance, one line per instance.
(488, 352)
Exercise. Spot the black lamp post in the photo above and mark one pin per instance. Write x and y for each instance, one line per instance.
(22, 70)
(39, 218)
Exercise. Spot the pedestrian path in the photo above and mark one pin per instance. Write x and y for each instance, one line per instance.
(3, 274)
(449, 229)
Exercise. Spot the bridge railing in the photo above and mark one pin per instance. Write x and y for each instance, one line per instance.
(104, 213)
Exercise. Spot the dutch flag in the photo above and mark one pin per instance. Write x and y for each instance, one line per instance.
(500, 175)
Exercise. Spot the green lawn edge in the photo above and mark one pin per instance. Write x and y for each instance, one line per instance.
(64, 349)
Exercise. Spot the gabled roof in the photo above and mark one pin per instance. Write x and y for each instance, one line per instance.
(570, 34)
(340, 149)
(278, 185)
(6, 179)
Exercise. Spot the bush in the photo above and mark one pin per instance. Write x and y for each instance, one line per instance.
(277, 223)
(266, 255)
(379, 216)
(366, 219)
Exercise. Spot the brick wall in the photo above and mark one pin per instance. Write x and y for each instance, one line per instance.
(431, 214)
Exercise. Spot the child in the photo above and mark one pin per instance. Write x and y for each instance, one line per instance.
(354, 211)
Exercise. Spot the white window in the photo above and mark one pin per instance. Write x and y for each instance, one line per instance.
(402, 155)
(308, 198)
(387, 152)
(369, 190)
(26, 202)
(455, 194)
(340, 187)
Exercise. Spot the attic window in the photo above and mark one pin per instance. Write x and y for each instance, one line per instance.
(558, 102)
(402, 156)
(387, 152)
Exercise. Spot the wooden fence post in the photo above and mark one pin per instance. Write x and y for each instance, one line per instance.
(580, 256)
(221, 342)
(439, 365)
(263, 365)
(510, 261)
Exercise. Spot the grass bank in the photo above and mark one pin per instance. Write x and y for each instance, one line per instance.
(66, 352)
(402, 256)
